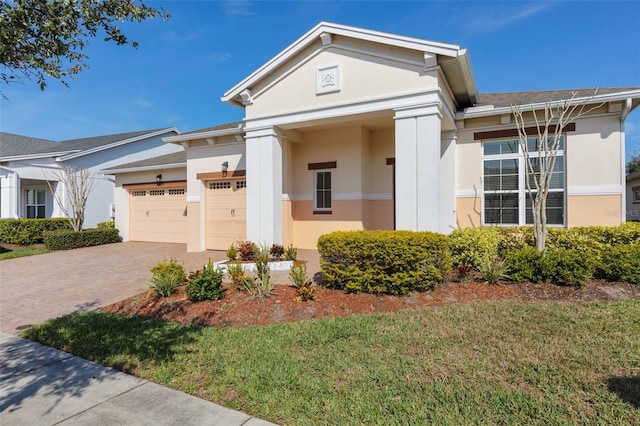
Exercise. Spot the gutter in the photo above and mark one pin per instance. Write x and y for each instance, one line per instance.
(143, 168)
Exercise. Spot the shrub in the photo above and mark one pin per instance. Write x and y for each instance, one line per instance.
(621, 263)
(391, 262)
(247, 250)
(303, 284)
(109, 224)
(463, 273)
(276, 251)
(559, 266)
(291, 253)
(205, 284)
(263, 283)
(166, 277)
(232, 252)
(29, 231)
(478, 247)
(69, 239)
(494, 270)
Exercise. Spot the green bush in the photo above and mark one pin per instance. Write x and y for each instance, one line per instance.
(205, 284)
(559, 266)
(621, 263)
(291, 253)
(390, 262)
(29, 231)
(166, 276)
(69, 239)
(477, 247)
(109, 224)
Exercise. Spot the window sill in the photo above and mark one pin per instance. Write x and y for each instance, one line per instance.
(322, 212)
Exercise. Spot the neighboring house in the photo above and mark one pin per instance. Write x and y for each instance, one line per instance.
(633, 197)
(351, 129)
(26, 164)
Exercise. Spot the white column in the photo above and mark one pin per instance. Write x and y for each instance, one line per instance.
(9, 199)
(448, 182)
(264, 186)
(418, 150)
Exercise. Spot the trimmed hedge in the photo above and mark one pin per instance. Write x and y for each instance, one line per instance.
(109, 224)
(559, 266)
(69, 239)
(621, 263)
(389, 262)
(29, 231)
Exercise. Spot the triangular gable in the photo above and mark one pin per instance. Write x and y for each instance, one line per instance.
(453, 60)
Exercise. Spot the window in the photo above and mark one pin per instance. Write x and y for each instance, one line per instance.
(506, 199)
(322, 194)
(636, 195)
(36, 203)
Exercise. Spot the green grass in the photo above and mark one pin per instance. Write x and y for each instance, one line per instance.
(504, 362)
(22, 252)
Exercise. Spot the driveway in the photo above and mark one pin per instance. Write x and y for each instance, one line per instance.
(37, 288)
(34, 289)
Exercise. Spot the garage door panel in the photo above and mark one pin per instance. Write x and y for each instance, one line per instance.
(225, 214)
(158, 215)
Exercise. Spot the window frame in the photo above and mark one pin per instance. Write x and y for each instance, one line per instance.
(36, 205)
(523, 193)
(323, 209)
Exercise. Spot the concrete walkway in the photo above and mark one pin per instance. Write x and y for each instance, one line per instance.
(44, 386)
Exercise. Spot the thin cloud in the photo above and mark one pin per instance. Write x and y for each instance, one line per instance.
(486, 19)
(219, 57)
(174, 37)
(142, 102)
(237, 8)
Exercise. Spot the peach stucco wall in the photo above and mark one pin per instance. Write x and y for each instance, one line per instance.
(603, 210)
(468, 212)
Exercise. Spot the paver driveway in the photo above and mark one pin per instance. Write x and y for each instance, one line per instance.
(36, 288)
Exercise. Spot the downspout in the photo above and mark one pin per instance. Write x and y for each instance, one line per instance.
(626, 109)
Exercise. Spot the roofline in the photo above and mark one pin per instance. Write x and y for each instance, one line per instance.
(469, 78)
(82, 153)
(202, 135)
(36, 156)
(143, 168)
(489, 110)
(633, 176)
(310, 36)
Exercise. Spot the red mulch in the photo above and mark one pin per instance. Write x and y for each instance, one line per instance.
(239, 309)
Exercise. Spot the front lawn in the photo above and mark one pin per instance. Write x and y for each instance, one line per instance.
(11, 251)
(496, 362)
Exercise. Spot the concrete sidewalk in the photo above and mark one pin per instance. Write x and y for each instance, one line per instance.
(43, 386)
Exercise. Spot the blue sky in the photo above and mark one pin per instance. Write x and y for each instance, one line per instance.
(184, 65)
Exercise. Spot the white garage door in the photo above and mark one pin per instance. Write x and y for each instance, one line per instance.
(226, 213)
(158, 214)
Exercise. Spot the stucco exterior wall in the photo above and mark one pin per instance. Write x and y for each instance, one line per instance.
(292, 88)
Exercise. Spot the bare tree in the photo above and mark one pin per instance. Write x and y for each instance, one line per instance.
(78, 184)
(550, 123)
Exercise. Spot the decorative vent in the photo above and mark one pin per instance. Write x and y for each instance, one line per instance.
(138, 193)
(156, 192)
(219, 185)
(177, 191)
(241, 184)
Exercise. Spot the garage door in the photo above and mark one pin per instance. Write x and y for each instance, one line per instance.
(226, 213)
(158, 214)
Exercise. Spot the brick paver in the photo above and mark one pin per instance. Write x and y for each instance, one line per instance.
(37, 288)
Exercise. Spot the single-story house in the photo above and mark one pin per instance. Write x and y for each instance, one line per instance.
(633, 197)
(350, 129)
(26, 164)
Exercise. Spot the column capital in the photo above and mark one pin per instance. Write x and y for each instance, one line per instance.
(418, 111)
(259, 132)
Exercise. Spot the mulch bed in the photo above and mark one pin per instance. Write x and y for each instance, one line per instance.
(239, 309)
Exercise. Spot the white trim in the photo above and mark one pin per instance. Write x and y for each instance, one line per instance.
(469, 193)
(595, 190)
(342, 196)
(119, 143)
(406, 100)
(203, 135)
(36, 156)
(489, 110)
(193, 198)
(312, 35)
(143, 168)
